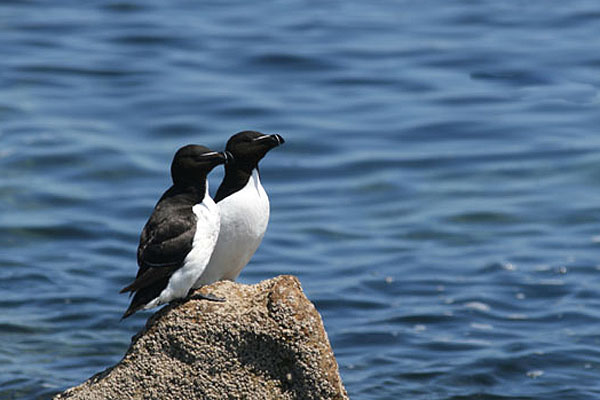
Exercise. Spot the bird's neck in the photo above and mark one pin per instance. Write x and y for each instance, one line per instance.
(194, 192)
(234, 180)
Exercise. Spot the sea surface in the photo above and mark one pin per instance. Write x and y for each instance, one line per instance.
(438, 195)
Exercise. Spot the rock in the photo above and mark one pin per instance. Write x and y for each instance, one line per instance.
(266, 341)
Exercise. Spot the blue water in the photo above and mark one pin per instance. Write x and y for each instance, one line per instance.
(438, 195)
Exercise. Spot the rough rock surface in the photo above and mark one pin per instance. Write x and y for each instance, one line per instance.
(266, 341)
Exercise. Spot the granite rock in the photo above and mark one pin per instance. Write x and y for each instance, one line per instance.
(266, 341)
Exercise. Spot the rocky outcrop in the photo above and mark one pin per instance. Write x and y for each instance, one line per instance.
(266, 341)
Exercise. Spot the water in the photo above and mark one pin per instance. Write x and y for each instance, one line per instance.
(437, 195)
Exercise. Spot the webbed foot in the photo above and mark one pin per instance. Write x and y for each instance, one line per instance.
(208, 296)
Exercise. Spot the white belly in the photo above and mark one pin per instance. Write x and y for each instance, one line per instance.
(244, 219)
(205, 238)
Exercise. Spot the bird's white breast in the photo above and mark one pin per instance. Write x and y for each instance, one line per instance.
(244, 219)
(194, 264)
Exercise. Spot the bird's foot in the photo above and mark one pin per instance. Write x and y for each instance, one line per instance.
(207, 296)
(178, 301)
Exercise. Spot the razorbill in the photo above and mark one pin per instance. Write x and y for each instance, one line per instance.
(178, 239)
(244, 207)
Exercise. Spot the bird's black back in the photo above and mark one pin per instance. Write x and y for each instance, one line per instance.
(165, 241)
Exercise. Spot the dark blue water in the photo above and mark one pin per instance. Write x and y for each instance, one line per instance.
(438, 195)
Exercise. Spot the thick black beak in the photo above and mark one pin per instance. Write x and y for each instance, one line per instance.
(279, 139)
(273, 140)
(215, 158)
(228, 157)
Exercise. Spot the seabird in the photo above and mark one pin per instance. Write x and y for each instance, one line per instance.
(178, 239)
(244, 207)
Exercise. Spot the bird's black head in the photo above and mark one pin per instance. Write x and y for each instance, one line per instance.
(249, 147)
(192, 163)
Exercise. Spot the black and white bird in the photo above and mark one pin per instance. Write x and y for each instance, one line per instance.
(178, 239)
(244, 207)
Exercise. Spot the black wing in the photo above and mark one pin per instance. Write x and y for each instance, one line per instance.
(165, 241)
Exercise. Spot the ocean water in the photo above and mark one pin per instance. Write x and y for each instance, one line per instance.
(438, 195)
